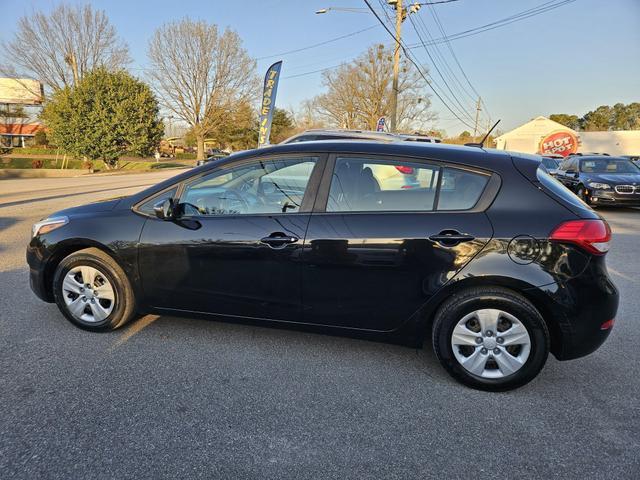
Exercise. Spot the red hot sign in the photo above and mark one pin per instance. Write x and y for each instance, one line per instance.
(561, 143)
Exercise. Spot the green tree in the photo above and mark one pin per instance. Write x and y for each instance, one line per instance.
(571, 121)
(282, 126)
(597, 120)
(103, 117)
(40, 138)
(625, 117)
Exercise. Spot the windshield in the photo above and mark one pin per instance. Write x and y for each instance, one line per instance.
(608, 165)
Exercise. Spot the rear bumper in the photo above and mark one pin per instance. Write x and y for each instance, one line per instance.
(579, 307)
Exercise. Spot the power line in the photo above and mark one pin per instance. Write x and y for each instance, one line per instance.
(455, 58)
(312, 72)
(315, 45)
(542, 8)
(462, 108)
(408, 55)
(456, 83)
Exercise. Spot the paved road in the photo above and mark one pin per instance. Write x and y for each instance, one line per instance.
(177, 398)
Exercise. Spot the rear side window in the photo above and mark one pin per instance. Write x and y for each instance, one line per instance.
(368, 185)
(374, 185)
(460, 189)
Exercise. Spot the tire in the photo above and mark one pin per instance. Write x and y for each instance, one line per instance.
(108, 303)
(582, 196)
(507, 365)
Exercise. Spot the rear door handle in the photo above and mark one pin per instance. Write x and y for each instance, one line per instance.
(278, 240)
(451, 238)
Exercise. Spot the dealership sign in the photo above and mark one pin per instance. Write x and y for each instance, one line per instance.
(562, 142)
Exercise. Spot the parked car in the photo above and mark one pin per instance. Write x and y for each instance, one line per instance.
(550, 163)
(634, 158)
(602, 180)
(344, 134)
(486, 256)
(212, 155)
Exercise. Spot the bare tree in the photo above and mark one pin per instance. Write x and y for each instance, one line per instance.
(359, 93)
(200, 75)
(60, 47)
(307, 117)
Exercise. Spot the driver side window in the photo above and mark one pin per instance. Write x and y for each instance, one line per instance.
(259, 187)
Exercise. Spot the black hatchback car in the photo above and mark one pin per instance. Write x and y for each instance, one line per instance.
(481, 252)
(601, 180)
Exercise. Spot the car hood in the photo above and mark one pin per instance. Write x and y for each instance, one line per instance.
(103, 206)
(615, 179)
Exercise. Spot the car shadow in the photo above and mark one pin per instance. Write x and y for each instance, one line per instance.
(5, 223)
(289, 342)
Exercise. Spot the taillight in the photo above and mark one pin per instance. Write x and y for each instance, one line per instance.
(404, 169)
(592, 235)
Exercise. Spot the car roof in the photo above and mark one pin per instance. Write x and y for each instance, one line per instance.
(600, 157)
(473, 156)
(365, 134)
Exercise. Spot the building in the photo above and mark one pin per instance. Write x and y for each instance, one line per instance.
(20, 101)
(544, 136)
(18, 134)
(622, 142)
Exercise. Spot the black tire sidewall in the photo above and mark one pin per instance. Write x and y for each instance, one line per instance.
(582, 196)
(114, 319)
(443, 330)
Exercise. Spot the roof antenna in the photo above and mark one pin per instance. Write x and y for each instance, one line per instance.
(481, 144)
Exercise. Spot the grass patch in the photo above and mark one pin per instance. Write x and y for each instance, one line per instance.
(33, 151)
(48, 163)
(74, 164)
(185, 156)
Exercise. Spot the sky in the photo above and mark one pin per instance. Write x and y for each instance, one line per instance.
(568, 60)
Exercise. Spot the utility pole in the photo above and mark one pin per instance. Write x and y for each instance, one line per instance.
(475, 127)
(393, 125)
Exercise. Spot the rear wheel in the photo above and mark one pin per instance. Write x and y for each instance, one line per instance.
(490, 339)
(93, 291)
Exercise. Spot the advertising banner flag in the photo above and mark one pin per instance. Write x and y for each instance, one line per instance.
(381, 124)
(268, 104)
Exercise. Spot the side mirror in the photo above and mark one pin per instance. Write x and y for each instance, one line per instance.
(164, 209)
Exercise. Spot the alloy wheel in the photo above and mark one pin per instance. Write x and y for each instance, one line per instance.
(490, 343)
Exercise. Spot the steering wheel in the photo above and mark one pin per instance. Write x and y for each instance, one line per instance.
(239, 199)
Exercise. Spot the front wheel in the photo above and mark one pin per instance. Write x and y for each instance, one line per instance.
(490, 339)
(93, 291)
(582, 195)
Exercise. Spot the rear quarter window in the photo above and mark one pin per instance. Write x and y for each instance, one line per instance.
(557, 189)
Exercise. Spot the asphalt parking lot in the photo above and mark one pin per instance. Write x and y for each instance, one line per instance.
(168, 397)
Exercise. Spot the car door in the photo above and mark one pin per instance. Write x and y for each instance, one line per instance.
(235, 245)
(386, 234)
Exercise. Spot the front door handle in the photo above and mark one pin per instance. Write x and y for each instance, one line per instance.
(451, 238)
(278, 240)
